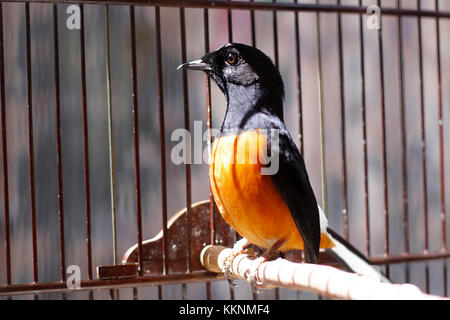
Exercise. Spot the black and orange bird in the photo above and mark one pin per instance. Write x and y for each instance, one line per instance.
(257, 174)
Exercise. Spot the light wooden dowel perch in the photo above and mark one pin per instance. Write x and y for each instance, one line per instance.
(324, 280)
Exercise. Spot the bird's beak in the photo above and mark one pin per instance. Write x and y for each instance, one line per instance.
(195, 65)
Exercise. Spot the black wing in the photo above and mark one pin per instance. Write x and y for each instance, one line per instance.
(292, 182)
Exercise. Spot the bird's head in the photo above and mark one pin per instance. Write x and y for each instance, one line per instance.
(235, 67)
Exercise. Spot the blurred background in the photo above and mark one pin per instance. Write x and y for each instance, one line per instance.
(43, 86)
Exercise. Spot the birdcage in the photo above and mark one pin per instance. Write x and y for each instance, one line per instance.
(91, 98)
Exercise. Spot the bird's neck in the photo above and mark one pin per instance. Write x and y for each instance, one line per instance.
(246, 106)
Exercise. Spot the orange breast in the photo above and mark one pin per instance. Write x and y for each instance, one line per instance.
(247, 200)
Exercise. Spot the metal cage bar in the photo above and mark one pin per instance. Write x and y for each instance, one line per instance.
(403, 143)
(364, 131)
(4, 155)
(137, 167)
(383, 137)
(441, 147)
(299, 80)
(31, 146)
(343, 129)
(423, 139)
(86, 171)
(62, 250)
(253, 5)
(162, 141)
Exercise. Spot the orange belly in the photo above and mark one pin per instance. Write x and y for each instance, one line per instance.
(247, 200)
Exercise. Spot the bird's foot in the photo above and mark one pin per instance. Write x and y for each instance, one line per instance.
(269, 254)
(252, 275)
(238, 248)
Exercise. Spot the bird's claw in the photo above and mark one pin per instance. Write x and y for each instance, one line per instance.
(238, 248)
(252, 275)
(226, 269)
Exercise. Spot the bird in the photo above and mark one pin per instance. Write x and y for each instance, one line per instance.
(258, 177)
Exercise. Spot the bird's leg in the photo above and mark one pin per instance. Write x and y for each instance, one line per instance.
(265, 256)
(238, 248)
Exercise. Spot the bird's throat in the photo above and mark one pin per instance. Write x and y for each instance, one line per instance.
(242, 105)
(247, 107)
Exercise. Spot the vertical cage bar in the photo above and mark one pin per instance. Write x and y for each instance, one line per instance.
(160, 293)
(137, 166)
(299, 81)
(275, 37)
(87, 187)
(208, 125)
(383, 144)
(230, 24)
(321, 114)
(187, 127)
(62, 255)
(31, 148)
(299, 92)
(208, 290)
(4, 153)
(422, 130)
(252, 26)
(364, 130)
(212, 220)
(162, 140)
(110, 136)
(343, 130)
(112, 182)
(277, 64)
(423, 147)
(403, 142)
(441, 146)
(230, 39)
(441, 131)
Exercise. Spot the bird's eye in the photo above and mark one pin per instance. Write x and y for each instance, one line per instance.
(232, 59)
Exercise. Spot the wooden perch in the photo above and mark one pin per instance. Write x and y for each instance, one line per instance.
(180, 249)
(324, 280)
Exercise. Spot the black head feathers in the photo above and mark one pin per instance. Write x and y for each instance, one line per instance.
(242, 71)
